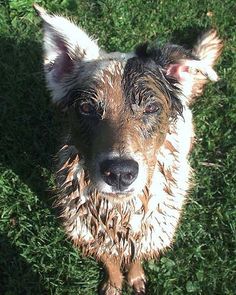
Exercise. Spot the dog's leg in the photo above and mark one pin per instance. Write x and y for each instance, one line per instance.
(136, 278)
(113, 283)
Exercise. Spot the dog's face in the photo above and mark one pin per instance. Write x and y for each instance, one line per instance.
(120, 106)
(119, 118)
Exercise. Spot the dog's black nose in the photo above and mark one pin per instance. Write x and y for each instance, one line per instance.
(119, 173)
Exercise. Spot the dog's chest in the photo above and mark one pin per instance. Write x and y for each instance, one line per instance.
(140, 227)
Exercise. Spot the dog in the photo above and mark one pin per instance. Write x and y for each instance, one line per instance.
(123, 172)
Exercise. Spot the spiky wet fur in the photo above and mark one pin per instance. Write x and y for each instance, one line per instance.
(139, 225)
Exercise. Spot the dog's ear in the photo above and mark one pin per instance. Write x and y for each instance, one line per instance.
(65, 44)
(193, 69)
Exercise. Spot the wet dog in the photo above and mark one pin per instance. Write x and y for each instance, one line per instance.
(123, 171)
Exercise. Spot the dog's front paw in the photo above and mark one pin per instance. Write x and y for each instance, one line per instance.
(136, 278)
(108, 289)
(138, 285)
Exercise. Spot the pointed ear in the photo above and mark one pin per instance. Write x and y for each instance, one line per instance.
(65, 44)
(193, 73)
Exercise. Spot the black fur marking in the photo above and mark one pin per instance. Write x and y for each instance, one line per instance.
(136, 73)
(168, 54)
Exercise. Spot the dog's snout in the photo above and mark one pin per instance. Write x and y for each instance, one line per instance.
(119, 173)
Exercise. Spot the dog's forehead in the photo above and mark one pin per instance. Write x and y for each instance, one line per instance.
(99, 73)
(111, 70)
(118, 80)
(114, 72)
(109, 82)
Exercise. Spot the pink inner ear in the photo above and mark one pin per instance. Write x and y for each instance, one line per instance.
(63, 64)
(179, 72)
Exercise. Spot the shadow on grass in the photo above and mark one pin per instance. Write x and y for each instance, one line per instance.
(28, 141)
(28, 129)
(16, 272)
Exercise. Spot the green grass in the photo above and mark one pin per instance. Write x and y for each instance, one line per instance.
(35, 257)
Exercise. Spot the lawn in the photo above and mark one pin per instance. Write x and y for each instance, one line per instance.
(35, 256)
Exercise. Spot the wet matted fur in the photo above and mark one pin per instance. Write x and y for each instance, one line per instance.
(123, 172)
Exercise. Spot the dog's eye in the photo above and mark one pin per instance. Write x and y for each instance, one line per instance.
(152, 108)
(87, 108)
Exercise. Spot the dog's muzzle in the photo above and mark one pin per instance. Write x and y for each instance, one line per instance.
(119, 173)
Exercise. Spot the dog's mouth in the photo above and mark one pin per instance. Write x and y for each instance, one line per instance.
(118, 193)
(118, 196)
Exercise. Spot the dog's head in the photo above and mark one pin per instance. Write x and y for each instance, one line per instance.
(121, 105)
